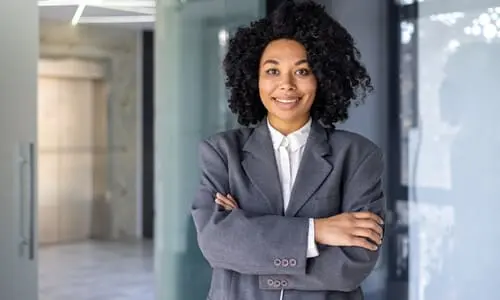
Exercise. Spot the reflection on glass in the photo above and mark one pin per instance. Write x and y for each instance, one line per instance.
(407, 63)
(453, 157)
(487, 25)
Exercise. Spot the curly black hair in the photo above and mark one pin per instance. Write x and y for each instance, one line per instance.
(331, 53)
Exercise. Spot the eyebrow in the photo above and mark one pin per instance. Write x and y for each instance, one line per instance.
(275, 62)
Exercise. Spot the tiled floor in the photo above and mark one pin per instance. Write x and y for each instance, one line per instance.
(97, 271)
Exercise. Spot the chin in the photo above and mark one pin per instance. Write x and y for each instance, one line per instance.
(288, 116)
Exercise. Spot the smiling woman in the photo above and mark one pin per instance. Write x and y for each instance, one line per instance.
(287, 85)
(307, 197)
(322, 46)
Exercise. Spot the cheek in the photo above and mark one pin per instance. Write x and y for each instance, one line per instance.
(309, 88)
(266, 87)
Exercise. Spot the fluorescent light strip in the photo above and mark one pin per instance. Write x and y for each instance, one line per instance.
(116, 3)
(117, 20)
(78, 14)
(139, 10)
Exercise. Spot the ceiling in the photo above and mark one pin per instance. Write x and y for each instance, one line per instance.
(140, 14)
(136, 14)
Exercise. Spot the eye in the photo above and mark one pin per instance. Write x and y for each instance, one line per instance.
(272, 72)
(302, 72)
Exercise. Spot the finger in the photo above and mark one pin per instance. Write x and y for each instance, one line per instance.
(368, 215)
(225, 202)
(370, 224)
(368, 233)
(363, 243)
(224, 205)
(232, 199)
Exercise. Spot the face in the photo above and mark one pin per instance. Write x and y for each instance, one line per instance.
(287, 85)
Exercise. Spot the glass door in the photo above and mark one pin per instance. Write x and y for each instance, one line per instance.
(18, 180)
(445, 169)
(190, 103)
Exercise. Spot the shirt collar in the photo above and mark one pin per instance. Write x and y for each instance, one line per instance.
(297, 139)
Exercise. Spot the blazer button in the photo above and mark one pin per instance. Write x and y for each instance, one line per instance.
(277, 262)
(284, 283)
(293, 262)
(285, 262)
(277, 283)
(270, 282)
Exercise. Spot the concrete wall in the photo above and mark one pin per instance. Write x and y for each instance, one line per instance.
(116, 50)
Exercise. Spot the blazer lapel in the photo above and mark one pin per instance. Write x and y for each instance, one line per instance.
(313, 169)
(259, 163)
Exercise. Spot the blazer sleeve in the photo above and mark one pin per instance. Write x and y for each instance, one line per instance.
(343, 268)
(241, 241)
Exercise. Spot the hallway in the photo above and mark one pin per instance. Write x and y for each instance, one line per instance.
(97, 270)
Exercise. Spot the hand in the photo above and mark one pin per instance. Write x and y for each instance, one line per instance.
(362, 229)
(228, 202)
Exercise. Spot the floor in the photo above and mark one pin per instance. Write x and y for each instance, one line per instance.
(97, 271)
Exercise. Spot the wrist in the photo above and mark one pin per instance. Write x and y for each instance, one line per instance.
(318, 225)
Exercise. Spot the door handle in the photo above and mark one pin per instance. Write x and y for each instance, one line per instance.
(21, 163)
(32, 200)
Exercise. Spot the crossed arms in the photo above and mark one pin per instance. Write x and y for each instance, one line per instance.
(274, 247)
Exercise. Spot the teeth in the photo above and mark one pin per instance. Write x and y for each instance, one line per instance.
(287, 100)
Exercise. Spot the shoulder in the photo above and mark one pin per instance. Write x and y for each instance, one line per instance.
(352, 147)
(350, 140)
(229, 141)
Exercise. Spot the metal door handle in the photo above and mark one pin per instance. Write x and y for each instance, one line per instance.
(32, 200)
(21, 162)
(29, 240)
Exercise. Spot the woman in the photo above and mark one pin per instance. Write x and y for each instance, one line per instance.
(291, 208)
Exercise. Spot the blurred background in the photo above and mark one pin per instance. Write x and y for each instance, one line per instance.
(103, 104)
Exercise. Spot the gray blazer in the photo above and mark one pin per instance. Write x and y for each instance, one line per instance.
(259, 249)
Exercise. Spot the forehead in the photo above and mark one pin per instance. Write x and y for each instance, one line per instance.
(284, 49)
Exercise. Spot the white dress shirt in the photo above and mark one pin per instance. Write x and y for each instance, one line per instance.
(288, 151)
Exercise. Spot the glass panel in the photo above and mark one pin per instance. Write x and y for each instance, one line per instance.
(407, 79)
(190, 102)
(453, 167)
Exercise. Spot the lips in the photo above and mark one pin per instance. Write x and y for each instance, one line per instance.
(287, 100)
(286, 103)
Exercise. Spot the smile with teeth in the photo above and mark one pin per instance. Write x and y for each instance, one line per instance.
(288, 100)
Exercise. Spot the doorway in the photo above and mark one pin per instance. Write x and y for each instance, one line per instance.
(72, 152)
(75, 209)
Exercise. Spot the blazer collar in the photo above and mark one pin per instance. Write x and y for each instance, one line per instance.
(259, 162)
(255, 144)
(297, 139)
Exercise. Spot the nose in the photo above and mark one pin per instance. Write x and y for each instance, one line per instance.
(287, 84)
(287, 87)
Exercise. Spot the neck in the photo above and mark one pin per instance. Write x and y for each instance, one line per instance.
(287, 127)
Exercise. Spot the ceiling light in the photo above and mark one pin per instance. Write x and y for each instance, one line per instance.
(117, 20)
(116, 3)
(78, 14)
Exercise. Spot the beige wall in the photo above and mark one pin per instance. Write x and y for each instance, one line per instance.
(116, 50)
(72, 156)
